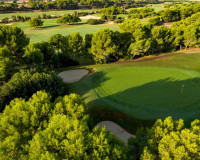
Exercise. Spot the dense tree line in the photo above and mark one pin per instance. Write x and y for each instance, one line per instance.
(171, 14)
(111, 12)
(69, 19)
(141, 13)
(42, 124)
(177, 13)
(26, 82)
(38, 128)
(167, 139)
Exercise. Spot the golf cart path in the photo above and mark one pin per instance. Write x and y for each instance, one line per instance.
(116, 130)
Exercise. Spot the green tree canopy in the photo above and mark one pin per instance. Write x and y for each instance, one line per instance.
(58, 41)
(38, 128)
(6, 63)
(33, 55)
(76, 45)
(103, 45)
(168, 139)
(13, 38)
(25, 83)
(35, 22)
(69, 19)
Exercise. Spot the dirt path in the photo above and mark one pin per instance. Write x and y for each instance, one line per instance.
(116, 130)
(161, 56)
(71, 76)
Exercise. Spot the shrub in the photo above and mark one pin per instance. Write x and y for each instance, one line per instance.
(35, 22)
(94, 21)
(25, 83)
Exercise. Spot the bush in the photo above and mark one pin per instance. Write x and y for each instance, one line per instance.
(154, 20)
(35, 22)
(119, 20)
(94, 21)
(5, 20)
(25, 83)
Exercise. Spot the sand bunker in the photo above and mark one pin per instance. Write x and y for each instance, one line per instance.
(109, 22)
(71, 76)
(89, 17)
(116, 130)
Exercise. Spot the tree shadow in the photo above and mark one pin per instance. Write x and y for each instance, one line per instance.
(52, 26)
(140, 106)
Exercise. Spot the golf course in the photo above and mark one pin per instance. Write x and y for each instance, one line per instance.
(143, 91)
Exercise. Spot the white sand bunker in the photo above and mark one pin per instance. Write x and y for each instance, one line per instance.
(71, 76)
(89, 17)
(116, 130)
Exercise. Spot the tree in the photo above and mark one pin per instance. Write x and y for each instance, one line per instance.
(154, 20)
(13, 38)
(169, 139)
(33, 55)
(161, 36)
(25, 83)
(70, 19)
(88, 42)
(76, 45)
(191, 35)
(6, 63)
(38, 128)
(102, 45)
(48, 52)
(35, 22)
(130, 25)
(58, 41)
(142, 41)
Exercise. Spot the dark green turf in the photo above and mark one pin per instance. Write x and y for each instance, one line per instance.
(144, 91)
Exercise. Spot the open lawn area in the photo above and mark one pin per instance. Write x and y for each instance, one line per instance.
(51, 27)
(142, 92)
(36, 13)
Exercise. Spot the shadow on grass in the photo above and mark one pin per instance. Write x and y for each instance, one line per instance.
(141, 106)
(52, 26)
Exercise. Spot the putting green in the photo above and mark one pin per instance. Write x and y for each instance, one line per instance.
(150, 92)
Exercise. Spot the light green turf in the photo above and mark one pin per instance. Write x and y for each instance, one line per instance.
(146, 91)
(51, 27)
(32, 14)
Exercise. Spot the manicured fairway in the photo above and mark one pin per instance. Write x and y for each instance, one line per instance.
(32, 14)
(51, 27)
(144, 91)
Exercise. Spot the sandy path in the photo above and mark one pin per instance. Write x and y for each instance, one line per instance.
(116, 130)
(109, 22)
(89, 17)
(71, 76)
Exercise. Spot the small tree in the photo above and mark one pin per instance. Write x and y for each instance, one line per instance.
(68, 19)
(33, 55)
(103, 45)
(57, 41)
(35, 22)
(76, 45)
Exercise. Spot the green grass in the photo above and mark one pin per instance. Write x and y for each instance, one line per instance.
(143, 92)
(32, 14)
(51, 27)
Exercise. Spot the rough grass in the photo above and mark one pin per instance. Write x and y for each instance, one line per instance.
(140, 93)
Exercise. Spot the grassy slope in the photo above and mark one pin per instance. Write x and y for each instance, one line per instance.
(143, 91)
